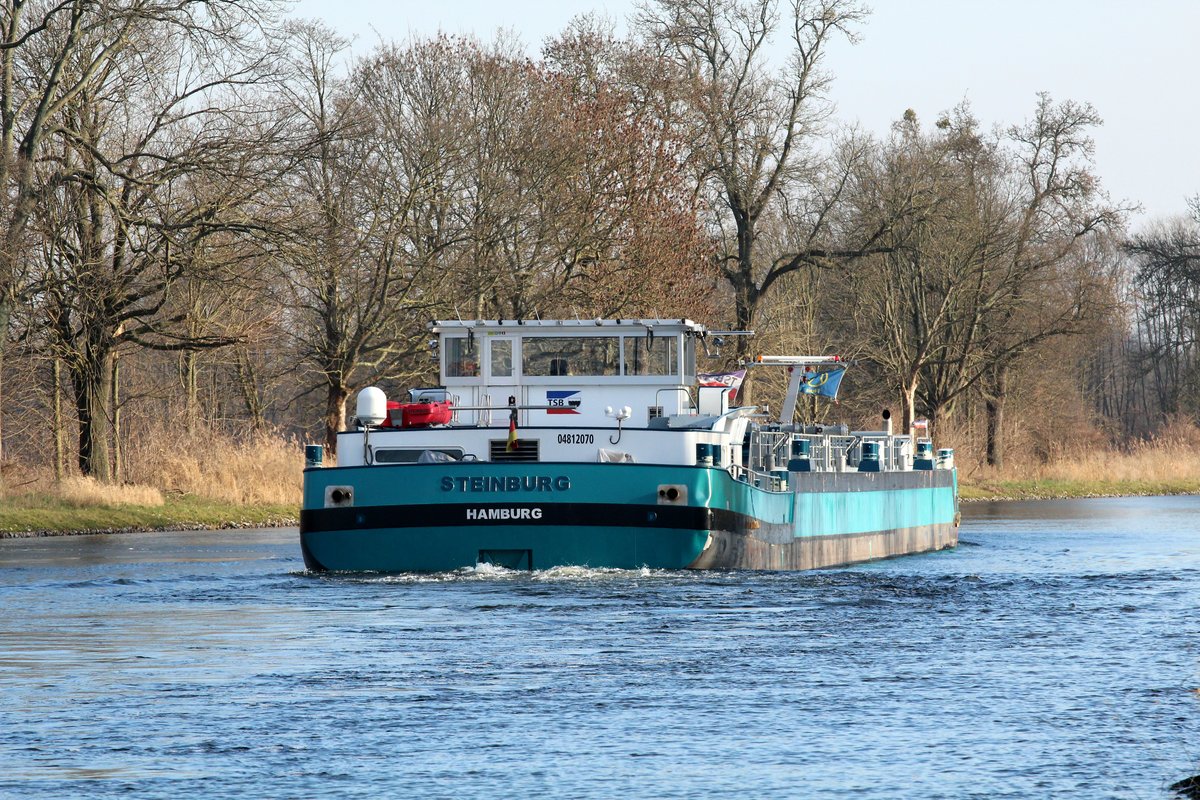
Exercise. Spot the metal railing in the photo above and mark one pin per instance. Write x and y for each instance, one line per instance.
(769, 451)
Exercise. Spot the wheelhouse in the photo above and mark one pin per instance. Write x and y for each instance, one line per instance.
(568, 372)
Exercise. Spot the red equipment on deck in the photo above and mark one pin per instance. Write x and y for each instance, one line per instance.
(418, 415)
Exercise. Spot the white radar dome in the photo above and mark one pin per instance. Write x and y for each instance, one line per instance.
(372, 406)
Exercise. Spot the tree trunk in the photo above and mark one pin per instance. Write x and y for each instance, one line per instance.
(248, 385)
(910, 406)
(5, 315)
(115, 404)
(191, 402)
(92, 393)
(57, 420)
(745, 308)
(335, 415)
(994, 403)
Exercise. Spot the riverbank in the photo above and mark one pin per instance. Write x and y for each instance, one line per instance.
(1169, 466)
(1060, 489)
(47, 515)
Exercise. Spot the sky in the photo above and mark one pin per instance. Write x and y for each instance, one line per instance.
(1134, 63)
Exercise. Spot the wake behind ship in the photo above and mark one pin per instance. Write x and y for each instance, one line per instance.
(591, 443)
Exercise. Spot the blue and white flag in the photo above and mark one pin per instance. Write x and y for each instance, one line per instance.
(824, 384)
(566, 401)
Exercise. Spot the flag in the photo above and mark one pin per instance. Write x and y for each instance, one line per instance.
(512, 432)
(731, 379)
(566, 401)
(824, 384)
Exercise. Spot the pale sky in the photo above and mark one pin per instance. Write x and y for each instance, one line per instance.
(1136, 63)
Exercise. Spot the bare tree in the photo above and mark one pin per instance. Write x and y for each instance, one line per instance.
(365, 210)
(51, 51)
(575, 197)
(1167, 262)
(1048, 281)
(994, 263)
(757, 133)
(146, 178)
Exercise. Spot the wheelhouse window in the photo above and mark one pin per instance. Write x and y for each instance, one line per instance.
(645, 355)
(571, 355)
(501, 358)
(462, 358)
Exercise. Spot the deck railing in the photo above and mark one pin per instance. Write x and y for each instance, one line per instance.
(769, 451)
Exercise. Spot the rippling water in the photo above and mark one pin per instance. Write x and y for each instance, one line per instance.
(1053, 654)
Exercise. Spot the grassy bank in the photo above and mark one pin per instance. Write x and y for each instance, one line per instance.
(202, 480)
(971, 489)
(47, 515)
(1163, 466)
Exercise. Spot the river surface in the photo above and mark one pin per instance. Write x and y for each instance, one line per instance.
(1054, 654)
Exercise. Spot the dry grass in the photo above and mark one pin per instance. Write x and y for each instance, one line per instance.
(1173, 455)
(82, 492)
(18, 480)
(1166, 464)
(1154, 463)
(174, 480)
(264, 469)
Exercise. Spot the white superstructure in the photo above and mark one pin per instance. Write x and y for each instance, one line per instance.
(568, 373)
(603, 390)
(574, 387)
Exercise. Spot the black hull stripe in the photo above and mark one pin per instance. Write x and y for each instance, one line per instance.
(563, 514)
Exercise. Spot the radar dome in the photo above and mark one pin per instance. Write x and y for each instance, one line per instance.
(372, 406)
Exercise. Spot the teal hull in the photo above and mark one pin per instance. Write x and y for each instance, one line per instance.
(440, 517)
(409, 550)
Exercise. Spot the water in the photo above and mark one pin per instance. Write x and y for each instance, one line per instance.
(1053, 654)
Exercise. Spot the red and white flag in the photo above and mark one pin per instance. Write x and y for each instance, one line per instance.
(731, 379)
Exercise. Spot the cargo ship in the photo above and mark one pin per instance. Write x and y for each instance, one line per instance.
(593, 443)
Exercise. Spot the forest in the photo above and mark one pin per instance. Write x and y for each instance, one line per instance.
(218, 223)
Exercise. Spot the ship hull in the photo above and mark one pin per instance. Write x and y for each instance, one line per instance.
(441, 517)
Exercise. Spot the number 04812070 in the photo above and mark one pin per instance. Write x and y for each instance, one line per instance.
(576, 438)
